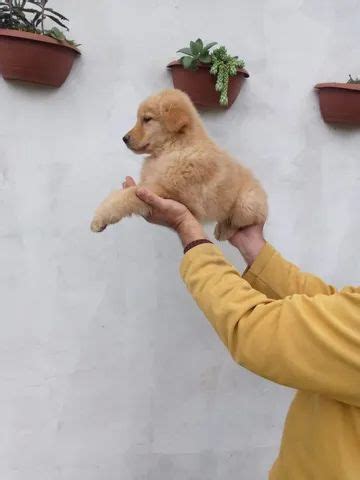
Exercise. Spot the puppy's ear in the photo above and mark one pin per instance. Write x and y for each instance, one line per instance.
(175, 115)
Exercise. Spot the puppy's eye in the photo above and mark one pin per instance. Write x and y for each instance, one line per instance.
(147, 119)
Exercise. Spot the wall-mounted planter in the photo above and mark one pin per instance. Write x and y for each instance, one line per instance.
(339, 102)
(200, 84)
(35, 58)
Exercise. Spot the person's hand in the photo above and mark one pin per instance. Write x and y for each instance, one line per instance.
(169, 213)
(249, 241)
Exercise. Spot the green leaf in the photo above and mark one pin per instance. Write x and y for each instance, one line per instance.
(209, 45)
(60, 37)
(205, 58)
(57, 21)
(56, 33)
(18, 13)
(187, 51)
(214, 69)
(36, 18)
(194, 48)
(223, 100)
(232, 70)
(62, 17)
(30, 10)
(353, 80)
(200, 44)
(187, 61)
(194, 64)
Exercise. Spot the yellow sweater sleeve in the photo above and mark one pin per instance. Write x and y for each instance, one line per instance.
(278, 278)
(308, 343)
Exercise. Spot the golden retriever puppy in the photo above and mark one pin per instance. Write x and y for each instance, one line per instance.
(184, 164)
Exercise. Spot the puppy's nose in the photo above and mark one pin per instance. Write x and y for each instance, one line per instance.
(126, 138)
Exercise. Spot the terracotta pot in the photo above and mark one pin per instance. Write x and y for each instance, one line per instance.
(35, 58)
(339, 102)
(200, 84)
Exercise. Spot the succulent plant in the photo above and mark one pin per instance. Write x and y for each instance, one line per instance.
(32, 16)
(220, 62)
(196, 54)
(353, 80)
(223, 66)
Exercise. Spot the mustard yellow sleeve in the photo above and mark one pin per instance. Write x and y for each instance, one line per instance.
(306, 343)
(278, 278)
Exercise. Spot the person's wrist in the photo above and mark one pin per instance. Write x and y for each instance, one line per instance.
(250, 247)
(189, 230)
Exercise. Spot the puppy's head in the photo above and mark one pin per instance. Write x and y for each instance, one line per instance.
(161, 119)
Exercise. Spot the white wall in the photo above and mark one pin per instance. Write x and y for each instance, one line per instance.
(107, 369)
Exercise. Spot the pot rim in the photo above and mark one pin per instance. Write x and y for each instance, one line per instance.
(339, 86)
(37, 37)
(177, 63)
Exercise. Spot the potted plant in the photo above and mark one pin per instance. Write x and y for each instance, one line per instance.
(340, 102)
(30, 51)
(211, 77)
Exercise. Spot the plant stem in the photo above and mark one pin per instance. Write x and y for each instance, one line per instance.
(43, 3)
(11, 10)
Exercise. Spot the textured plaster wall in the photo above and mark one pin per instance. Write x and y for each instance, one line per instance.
(107, 369)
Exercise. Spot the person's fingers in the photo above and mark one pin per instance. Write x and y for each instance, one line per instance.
(150, 198)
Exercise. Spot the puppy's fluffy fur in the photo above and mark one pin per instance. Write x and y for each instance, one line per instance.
(184, 164)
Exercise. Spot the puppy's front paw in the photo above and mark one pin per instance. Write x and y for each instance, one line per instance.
(97, 225)
(223, 231)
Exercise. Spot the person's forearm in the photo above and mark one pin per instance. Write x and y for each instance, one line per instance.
(305, 343)
(251, 251)
(190, 230)
(269, 272)
(249, 245)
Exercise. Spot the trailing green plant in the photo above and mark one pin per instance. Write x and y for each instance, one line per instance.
(33, 16)
(220, 62)
(223, 66)
(353, 80)
(196, 54)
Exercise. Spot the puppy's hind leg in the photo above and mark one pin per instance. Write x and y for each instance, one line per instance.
(119, 204)
(250, 209)
(224, 230)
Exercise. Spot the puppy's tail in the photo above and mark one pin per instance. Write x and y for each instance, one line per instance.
(119, 204)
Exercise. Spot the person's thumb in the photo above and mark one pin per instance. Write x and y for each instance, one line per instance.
(150, 198)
